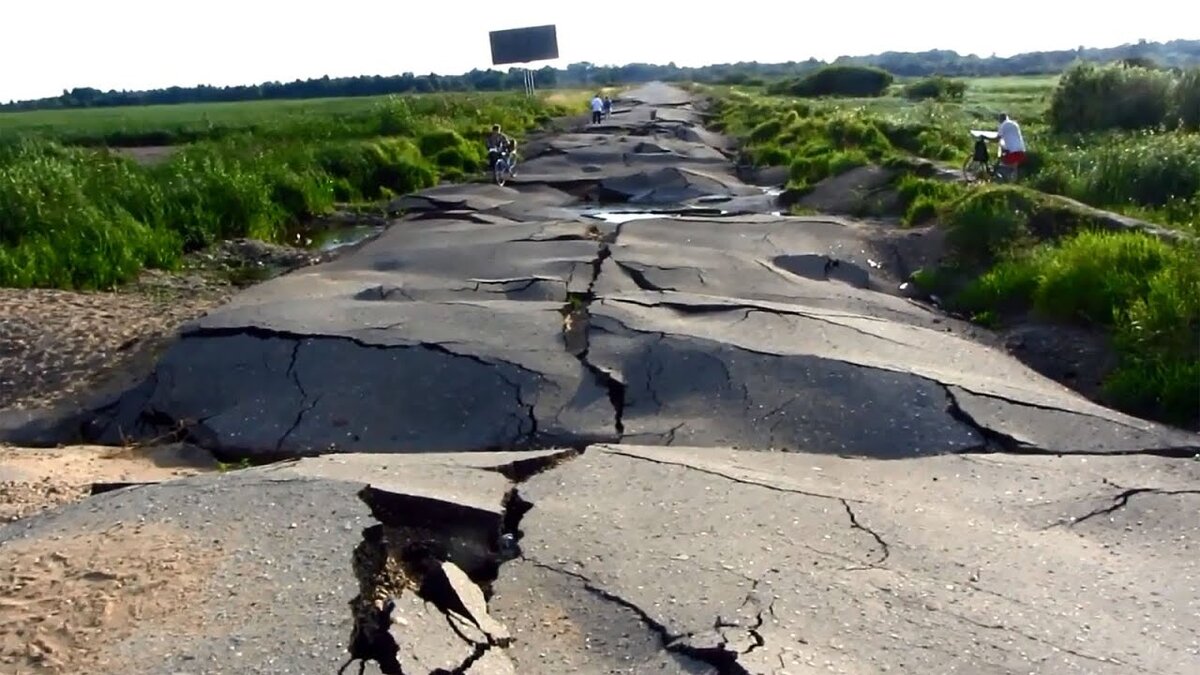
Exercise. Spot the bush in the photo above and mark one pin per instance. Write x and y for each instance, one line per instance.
(983, 226)
(1187, 100)
(852, 81)
(936, 87)
(1095, 98)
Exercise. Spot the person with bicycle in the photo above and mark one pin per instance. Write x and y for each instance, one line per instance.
(499, 145)
(1012, 143)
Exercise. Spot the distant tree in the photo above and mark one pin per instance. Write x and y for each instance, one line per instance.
(843, 80)
(1175, 54)
(1187, 100)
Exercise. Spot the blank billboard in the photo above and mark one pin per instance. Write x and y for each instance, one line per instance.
(523, 45)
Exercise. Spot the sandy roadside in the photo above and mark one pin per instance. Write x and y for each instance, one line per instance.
(36, 479)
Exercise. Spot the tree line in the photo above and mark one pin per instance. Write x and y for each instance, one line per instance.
(1176, 53)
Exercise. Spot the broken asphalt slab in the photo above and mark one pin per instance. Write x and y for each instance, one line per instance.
(273, 558)
(775, 563)
(856, 565)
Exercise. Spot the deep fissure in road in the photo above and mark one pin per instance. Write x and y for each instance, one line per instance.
(576, 326)
(448, 555)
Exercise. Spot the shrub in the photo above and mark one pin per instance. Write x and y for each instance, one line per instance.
(983, 226)
(851, 81)
(1151, 170)
(1094, 98)
(1146, 290)
(1187, 100)
(770, 155)
(936, 87)
(921, 198)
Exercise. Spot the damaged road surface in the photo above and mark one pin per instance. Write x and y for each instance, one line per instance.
(641, 559)
(784, 563)
(508, 318)
(523, 438)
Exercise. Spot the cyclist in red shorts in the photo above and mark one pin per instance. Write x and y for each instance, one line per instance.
(1012, 144)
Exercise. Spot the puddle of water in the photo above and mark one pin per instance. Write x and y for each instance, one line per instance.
(624, 217)
(773, 192)
(338, 237)
(618, 217)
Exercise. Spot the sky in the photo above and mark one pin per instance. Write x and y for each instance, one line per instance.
(50, 45)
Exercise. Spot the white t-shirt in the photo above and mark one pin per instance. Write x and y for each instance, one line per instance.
(1010, 136)
(597, 105)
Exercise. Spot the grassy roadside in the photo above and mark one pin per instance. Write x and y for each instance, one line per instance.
(81, 217)
(1016, 251)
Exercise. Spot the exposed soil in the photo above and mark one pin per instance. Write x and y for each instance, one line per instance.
(56, 345)
(149, 155)
(68, 601)
(34, 480)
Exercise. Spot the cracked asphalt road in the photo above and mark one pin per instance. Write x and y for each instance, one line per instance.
(686, 444)
(743, 330)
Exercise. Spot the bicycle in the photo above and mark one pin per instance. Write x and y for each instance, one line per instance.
(980, 166)
(504, 166)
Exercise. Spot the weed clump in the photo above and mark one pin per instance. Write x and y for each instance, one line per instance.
(937, 87)
(1145, 291)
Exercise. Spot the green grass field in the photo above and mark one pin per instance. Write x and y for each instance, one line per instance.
(78, 216)
(172, 124)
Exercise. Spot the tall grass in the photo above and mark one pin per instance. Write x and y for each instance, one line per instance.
(1151, 173)
(1146, 291)
(89, 218)
(816, 142)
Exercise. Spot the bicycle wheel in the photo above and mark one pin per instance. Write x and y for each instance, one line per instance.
(975, 171)
(498, 174)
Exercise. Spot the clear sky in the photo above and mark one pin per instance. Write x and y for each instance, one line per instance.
(50, 45)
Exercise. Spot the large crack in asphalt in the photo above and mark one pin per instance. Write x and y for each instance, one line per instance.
(723, 660)
(576, 326)
(154, 423)
(992, 440)
(1121, 500)
(846, 502)
(445, 553)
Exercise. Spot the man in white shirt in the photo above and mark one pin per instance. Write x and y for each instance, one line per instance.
(1012, 144)
(597, 109)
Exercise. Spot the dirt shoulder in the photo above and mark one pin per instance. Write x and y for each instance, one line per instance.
(58, 344)
(33, 480)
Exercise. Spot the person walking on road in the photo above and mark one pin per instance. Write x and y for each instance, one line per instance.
(607, 107)
(597, 109)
